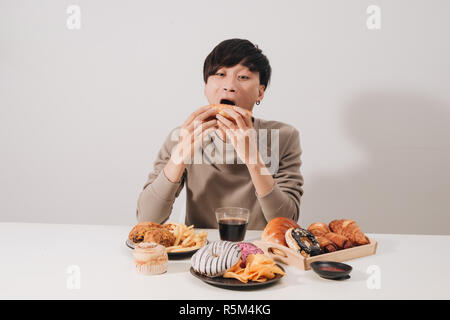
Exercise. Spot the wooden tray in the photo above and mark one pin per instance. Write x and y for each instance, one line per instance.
(289, 257)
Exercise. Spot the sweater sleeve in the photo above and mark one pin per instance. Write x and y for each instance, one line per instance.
(155, 202)
(284, 198)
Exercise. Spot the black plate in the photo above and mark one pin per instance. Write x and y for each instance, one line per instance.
(174, 255)
(232, 283)
(335, 275)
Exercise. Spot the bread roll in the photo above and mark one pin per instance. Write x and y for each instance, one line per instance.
(276, 229)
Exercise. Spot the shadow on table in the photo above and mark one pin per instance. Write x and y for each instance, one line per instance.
(272, 286)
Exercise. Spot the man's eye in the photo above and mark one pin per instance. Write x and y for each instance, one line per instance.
(244, 77)
(219, 74)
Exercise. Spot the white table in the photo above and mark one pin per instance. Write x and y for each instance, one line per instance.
(36, 258)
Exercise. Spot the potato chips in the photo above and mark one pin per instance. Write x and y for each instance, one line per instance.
(259, 267)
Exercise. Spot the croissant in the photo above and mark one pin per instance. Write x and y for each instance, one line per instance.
(326, 245)
(340, 241)
(318, 229)
(349, 229)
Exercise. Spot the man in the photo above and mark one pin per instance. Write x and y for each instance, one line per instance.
(237, 73)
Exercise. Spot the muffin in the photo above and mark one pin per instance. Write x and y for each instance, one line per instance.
(150, 258)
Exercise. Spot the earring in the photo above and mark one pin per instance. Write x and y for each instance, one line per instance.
(258, 102)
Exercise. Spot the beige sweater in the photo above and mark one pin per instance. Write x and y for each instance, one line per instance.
(213, 184)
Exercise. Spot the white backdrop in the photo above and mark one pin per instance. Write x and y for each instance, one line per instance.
(85, 111)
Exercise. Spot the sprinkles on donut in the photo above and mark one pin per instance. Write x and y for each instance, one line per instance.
(247, 249)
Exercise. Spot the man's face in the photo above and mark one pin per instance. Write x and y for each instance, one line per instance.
(235, 85)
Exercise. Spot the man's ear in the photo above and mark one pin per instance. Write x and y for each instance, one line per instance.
(261, 92)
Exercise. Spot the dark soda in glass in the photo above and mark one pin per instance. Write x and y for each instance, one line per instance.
(232, 229)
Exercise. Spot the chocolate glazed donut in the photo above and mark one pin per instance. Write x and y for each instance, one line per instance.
(302, 241)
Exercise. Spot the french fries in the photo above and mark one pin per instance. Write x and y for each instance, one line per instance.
(185, 238)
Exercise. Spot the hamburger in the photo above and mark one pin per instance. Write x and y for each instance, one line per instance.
(220, 109)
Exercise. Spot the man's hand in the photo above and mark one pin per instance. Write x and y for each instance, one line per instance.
(192, 132)
(238, 133)
(241, 133)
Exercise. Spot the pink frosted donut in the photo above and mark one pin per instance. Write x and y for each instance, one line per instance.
(248, 248)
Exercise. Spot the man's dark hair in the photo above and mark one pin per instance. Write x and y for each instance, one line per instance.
(230, 52)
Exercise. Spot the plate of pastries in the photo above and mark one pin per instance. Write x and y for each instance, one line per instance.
(234, 265)
(178, 239)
